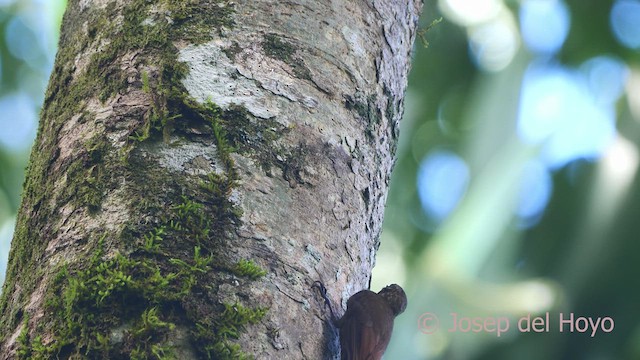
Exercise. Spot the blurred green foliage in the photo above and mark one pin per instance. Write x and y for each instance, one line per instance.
(580, 255)
(28, 37)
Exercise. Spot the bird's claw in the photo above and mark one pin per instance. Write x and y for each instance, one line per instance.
(323, 292)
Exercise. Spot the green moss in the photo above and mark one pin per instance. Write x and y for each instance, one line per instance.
(275, 47)
(188, 271)
(155, 289)
(86, 185)
(191, 21)
(87, 179)
(91, 300)
(233, 50)
(24, 344)
(153, 239)
(145, 82)
(249, 269)
(195, 19)
(191, 219)
(236, 130)
(149, 333)
(91, 305)
(145, 266)
(38, 349)
(229, 325)
(211, 113)
(247, 134)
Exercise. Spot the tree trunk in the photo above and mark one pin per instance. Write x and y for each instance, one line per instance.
(198, 165)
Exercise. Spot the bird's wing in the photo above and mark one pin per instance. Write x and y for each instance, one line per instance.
(362, 337)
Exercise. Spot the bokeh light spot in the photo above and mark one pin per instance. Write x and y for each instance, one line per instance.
(442, 181)
(606, 77)
(544, 25)
(559, 113)
(625, 17)
(535, 191)
(493, 45)
(468, 13)
(22, 40)
(18, 120)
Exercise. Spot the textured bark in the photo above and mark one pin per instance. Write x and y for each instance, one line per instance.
(185, 146)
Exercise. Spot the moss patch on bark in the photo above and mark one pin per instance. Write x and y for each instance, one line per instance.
(156, 276)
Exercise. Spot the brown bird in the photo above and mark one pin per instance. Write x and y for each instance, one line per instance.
(366, 326)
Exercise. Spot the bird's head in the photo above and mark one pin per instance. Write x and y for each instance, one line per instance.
(395, 297)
